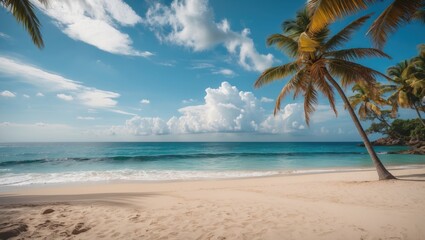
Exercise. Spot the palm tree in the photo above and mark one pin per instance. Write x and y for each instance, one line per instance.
(23, 11)
(396, 14)
(403, 75)
(418, 74)
(369, 99)
(316, 62)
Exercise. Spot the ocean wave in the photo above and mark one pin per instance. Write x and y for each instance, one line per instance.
(174, 157)
(12, 179)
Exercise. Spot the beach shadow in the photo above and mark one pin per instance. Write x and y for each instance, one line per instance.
(412, 177)
(117, 199)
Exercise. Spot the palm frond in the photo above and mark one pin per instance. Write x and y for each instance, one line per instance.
(420, 15)
(355, 100)
(324, 12)
(318, 76)
(356, 53)
(310, 102)
(397, 13)
(293, 28)
(284, 43)
(362, 111)
(372, 107)
(291, 85)
(275, 73)
(23, 11)
(350, 72)
(344, 35)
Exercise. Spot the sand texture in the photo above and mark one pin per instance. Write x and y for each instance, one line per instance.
(321, 206)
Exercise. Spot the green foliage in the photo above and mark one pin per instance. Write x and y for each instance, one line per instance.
(379, 127)
(410, 128)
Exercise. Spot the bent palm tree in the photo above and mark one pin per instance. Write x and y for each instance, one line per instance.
(316, 64)
(396, 14)
(404, 96)
(23, 11)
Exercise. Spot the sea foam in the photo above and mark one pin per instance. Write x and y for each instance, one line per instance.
(21, 179)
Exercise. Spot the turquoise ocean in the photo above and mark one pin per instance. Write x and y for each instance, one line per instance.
(23, 164)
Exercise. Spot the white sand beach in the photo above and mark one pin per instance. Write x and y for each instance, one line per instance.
(351, 205)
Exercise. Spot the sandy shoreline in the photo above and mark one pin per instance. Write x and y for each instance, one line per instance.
(349, 205)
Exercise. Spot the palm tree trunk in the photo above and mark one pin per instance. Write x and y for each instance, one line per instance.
(383, 173)
(419, 115)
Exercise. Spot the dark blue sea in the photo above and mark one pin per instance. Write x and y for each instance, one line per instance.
(52, 163)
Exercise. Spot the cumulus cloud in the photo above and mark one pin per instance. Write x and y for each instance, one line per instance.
(68, 89)
(7, 93)
(145, 101)
(191, 23)
(96, 22)
(225, 110)
(39, 94)
(26, 96)
(64, 97)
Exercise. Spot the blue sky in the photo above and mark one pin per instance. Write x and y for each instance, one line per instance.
(179, 70)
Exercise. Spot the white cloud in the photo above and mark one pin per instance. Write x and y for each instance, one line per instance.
(69, 89)
(7, 93)
(145, 101)
(191, 23)
(122, 112)
(266, 100)
(202, 65)
(26, 96)
(225, 110)
(287, 121)
(86, 118)
(96, 22)
(64, 97)
(39, 94)
(93, 97)
(4, 35)
(225, 72)
(146, 126)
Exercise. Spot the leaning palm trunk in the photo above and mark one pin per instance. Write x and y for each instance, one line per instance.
(383, 173)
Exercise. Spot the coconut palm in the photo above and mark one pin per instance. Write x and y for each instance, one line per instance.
(418, 73)
(23, 11)
(317, 62)
(368, 97)
(405, 88)
(396, 14)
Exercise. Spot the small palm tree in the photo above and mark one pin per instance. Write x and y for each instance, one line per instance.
(418, 74)
(316, 64)
(406, 88)
(396, 14)
(23, 11)
(369, 99)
